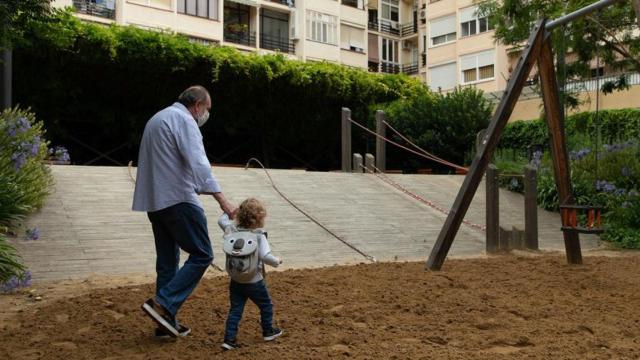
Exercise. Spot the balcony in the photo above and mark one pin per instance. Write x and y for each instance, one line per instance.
(94, 8)
(403, 30)
(245, 38)
(277, 44)
(389, 68)
(408, 29)
(289, 3)
(384, 27)
(410, 69)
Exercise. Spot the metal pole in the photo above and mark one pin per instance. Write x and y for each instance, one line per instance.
(7, 64)
(579, 13)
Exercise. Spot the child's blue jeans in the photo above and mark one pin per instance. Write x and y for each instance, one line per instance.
(238, 295)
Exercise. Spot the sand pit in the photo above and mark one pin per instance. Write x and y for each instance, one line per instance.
(504, 307)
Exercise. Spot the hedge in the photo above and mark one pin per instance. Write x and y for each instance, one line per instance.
(96, 86)
(613, 125)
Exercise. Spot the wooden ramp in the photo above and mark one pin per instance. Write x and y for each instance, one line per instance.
(87, 226)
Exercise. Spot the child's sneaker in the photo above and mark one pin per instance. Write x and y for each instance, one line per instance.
(230, 345)
(272, 334)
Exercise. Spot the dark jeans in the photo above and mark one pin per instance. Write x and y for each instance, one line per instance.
(181, 226)
(238, 295)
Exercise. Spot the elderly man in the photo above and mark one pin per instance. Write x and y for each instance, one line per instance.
(173, 170)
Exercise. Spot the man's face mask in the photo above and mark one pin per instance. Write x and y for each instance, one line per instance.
(202, 118)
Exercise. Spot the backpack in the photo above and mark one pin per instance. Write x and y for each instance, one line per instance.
(241, 250)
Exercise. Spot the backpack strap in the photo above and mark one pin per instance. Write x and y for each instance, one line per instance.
(261, 232)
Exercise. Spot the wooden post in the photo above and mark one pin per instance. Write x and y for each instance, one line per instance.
(493, 209)
(555, 123)
(504, 243)
(381, 147)
(483, 157)
(369, 160)
(346, 140)
(531, 207)
(357, 163)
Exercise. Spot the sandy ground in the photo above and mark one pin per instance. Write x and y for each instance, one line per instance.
(502, 307)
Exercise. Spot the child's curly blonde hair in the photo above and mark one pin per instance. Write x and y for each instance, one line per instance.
(251, 214)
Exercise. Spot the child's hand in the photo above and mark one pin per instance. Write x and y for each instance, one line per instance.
(279, 261)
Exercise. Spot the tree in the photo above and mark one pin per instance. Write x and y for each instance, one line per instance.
(607, 35)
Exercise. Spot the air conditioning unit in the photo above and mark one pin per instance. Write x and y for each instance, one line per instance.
(407, 45)
(395, 26)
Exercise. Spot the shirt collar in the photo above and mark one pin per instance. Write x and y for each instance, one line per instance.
(182, 108)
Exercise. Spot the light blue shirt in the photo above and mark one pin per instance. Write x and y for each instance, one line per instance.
(172, 164)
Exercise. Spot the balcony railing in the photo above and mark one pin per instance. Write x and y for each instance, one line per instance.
(91, 8)
(423, 57)
(290, 3)
(277, 44)
(410, 69)
(398, 30)
(389, 68)
(241, 38)
(408, 29)
(384, 27)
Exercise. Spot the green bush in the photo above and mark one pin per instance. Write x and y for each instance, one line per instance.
(96, 85)
(445, 125)
(24, 179)
(581, 129)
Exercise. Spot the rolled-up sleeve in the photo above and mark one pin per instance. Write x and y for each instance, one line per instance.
(189, 142)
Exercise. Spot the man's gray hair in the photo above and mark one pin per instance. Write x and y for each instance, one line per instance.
(192, 95)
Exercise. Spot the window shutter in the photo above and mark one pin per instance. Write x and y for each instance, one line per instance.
(442, 26)
(443, 76)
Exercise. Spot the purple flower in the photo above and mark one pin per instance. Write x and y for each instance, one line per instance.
(577, 155)
(603, 185)
(35, 146)
(18, 159)
(537, 159)
(619, 192)
(16, 282)
(33, 234)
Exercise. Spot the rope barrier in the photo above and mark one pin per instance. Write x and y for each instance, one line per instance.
(428, 157)
(317, 222)
(429, 203)
(435, 158)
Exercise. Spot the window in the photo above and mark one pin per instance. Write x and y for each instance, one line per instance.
(322, 27)
(354, 3)
(390, 50)
(442, 30)
(442, 77)
(477, 67)
(470, 24)
(352, 38)
(390, 10)
(201, 8)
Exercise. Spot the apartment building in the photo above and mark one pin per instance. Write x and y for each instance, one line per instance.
(308, 30)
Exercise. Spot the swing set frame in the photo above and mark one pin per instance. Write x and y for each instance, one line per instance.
(538, 50)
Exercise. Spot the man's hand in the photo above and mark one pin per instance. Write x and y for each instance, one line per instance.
(225, 205)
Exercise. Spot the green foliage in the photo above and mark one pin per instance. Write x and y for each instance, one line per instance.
(9, 261)
(24, 179)
(445, 125)
(99, 85)
(14, 14)
(581, 129)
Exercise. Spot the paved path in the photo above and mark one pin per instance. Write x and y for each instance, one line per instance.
(87, 226)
